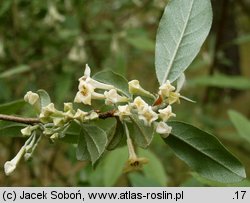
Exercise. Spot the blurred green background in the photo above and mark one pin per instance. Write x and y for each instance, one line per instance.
(46, 44)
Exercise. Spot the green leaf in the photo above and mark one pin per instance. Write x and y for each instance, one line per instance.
(113, 165)
(82, 152)
(207, 182)
(241, 124)
(14, 71)
(204, 153)
(72, 134)
(154, 169)
(138, 180)
(91, 144)
(114, 79)
(223, 81)
(12, 107)
(44, 98)
(10, 129)
(116, 137)
(183, 28)
(141, 134)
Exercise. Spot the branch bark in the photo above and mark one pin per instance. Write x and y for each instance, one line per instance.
(32, 121)
(19, 119)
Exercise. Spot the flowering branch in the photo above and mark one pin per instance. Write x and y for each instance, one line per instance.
(128, 105)
(32, 121)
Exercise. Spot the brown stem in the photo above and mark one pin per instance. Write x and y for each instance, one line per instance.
(19, 119)
(31, 121)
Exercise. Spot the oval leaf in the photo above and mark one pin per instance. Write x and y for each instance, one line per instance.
(12, 107)
(141, 134)
(91, 144)
(204, 153)
(183, 28)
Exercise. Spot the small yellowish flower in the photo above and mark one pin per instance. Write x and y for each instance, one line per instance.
(58, 121)
(148, 115)
(54, 137)
(112, 97)
(134, 164)
(140, 104)
(136, 89)
(86, 88)
(123, 111)
(31, 97)
(47, 110)
(163, 129)
(166, 113)
(84, 94)
(166, 89)
(10, 166)
(94, 83)
(174, 97)
(91, 116)
(68, 107)
(80, 115)
(26, 131)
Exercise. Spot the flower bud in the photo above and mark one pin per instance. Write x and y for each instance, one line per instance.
(26, 131)
(31, 97)
(10, 166)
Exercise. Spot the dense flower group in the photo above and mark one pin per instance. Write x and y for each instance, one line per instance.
(55, 122)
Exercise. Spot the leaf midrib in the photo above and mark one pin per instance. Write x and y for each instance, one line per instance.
(206, 155)
(178, 44)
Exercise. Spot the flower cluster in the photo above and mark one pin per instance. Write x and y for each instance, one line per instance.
(54, 122)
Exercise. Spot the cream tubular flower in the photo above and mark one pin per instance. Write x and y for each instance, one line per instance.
(140, 104)
(166, 89)
(148, 116)
(91, 116)
(163, 129)
(136, 89)
(123, 111)
(48, 110)
(133, 163)
(80, 115)
(86, 88)
(112, 97)
(95, 84)
(26, 131)
(174, 97)
(10, 166)
(68, 107)
(86, 93)
(31, 97)
(166, 113)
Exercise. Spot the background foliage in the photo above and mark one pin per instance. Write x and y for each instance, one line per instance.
(39, 50)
